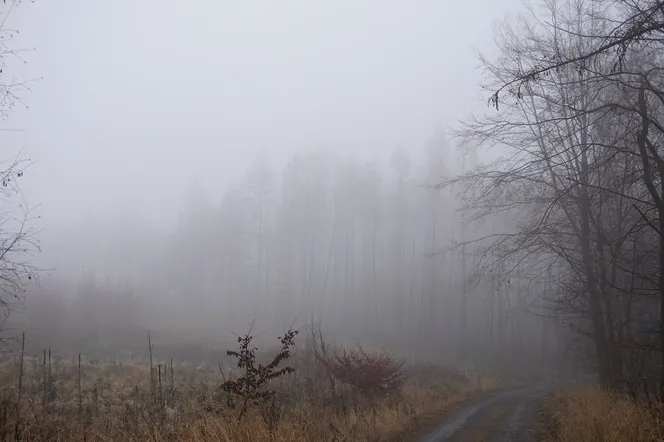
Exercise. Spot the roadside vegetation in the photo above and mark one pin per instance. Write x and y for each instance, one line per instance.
(594, 415)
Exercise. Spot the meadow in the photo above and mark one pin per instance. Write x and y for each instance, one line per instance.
(314, 391)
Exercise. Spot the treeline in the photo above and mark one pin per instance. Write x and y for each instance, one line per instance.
(578, 88)
(368, 248)
(89, 315)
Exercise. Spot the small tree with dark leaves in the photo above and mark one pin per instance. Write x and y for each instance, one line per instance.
(251, 388)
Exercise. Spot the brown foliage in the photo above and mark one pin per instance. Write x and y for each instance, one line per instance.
(372, 373)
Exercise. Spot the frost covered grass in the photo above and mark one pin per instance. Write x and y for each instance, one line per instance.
(113, 400)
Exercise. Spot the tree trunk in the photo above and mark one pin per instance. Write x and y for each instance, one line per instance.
(596, 314)
(646, 150)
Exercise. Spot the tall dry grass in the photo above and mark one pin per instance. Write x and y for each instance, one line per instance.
(116, 403)
(593, 415)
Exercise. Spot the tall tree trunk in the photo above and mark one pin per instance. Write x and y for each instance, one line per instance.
(661, 297)
(309, 301)
(646, 151)
(597, 317)
(606, 291)
(375, 300)
(463, 326)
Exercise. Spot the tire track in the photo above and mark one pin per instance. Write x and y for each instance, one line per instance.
(504, 417)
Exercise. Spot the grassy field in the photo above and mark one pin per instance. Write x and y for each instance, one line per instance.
(593, 415)
(51, 398)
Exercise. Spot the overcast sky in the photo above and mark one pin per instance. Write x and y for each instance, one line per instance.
(138, 96)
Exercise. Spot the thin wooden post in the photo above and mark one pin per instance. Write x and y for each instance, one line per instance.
(50, 379)
(172, 387)
(20, 390)
(80, 394)
(159, 392)
(44, 379)
(151, 369)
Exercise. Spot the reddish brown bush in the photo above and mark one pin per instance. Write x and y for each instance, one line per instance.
(372, 373)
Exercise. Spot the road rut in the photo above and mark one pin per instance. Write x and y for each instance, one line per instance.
(503, 417)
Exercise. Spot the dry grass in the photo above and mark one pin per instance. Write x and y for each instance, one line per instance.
(117, 403)
(592, 415)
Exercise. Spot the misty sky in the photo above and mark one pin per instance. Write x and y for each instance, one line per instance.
(137, 97)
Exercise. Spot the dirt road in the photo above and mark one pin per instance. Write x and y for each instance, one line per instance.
(503, 417)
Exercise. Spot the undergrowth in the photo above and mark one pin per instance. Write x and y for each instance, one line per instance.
(66, 398)
(593, 415)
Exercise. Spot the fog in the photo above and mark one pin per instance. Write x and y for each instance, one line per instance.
(137, 99)
(201, 165)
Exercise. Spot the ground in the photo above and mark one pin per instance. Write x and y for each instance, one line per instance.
(508, 416)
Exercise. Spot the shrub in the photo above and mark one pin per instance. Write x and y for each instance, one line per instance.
(250, 388)
(372, 373)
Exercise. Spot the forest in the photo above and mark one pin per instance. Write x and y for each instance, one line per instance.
(372, 250)
(518, 247)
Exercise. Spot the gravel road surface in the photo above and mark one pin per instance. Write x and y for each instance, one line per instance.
(502, 417)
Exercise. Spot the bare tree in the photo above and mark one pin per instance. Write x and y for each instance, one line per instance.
(633, 24)
(17, 234)
(562, 169)
(17, 238)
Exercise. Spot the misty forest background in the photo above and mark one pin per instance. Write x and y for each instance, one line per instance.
(364, 247)
(533, 240)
